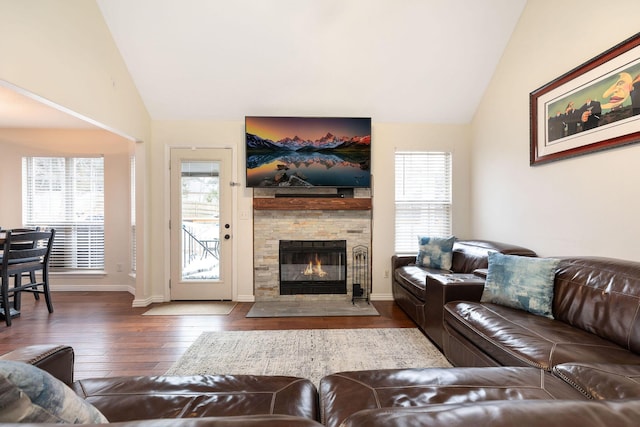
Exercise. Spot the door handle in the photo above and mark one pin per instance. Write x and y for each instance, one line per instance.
(227, 237)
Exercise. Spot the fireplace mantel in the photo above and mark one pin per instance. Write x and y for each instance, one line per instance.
(312, 203)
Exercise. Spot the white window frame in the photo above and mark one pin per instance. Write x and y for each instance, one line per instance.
(67, 194)
(423, 197)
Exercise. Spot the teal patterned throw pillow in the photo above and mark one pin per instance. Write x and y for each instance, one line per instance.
(30, 395)
(435, 252)
(525, 283)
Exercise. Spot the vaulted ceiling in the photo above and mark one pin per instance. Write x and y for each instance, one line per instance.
(393, 60)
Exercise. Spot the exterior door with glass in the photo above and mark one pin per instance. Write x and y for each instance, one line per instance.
(201, 226)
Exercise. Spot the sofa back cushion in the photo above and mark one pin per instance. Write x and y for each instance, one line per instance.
(601, 296)
(470, 255)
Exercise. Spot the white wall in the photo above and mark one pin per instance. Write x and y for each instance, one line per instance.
(388, 138)
(16, 143)
(63, 52)
(582, 206)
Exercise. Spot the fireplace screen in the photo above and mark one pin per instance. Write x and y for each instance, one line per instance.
(313, 267)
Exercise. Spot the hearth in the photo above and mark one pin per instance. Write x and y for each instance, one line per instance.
(313, 267)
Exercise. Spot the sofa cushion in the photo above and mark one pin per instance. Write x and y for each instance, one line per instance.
(138, 398)
(524, 283)
(568, 413)
(601, 296)
(470, 255)
(602, 380)
(30, 395)
(435, 252)
(514, 337)
(345, 393)
(413, 279)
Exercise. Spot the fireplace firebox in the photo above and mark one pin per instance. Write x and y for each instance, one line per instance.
(313, 267)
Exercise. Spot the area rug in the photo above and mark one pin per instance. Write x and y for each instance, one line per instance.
(311, 309)
(310, 353)
(209, 308)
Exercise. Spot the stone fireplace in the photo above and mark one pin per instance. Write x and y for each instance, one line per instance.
(306, 220)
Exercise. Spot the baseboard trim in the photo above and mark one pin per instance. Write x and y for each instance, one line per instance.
(381, 297)
(245, 298)
(93, 288)
(145, 302)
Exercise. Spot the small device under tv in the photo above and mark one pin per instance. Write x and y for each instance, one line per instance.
(303, 152)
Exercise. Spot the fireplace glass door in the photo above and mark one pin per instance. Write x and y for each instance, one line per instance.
(313, 267)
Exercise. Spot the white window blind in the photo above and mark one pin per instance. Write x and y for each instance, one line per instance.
(67, 194)
(422, 198)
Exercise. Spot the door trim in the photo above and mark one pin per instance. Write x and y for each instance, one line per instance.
(165, 275)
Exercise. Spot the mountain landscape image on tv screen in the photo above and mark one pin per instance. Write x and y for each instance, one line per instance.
(308, 152)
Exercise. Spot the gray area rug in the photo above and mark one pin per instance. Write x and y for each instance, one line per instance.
(311, 309)
(310, 353)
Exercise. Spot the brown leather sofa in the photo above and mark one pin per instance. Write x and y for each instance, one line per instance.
(422, 292)
(215, 400)
(346, 393)
(565, 413)
(510, 361)
(596, 310)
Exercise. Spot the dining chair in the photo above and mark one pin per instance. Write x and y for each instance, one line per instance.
(26, 252)
(31, 274)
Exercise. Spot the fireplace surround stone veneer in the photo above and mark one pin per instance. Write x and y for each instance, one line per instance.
(271, 226)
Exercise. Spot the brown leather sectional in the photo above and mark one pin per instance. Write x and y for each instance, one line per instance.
(423, 292)
(565, 413)
(233, 400)
(346, 393)
(591, 344)
(581, 368)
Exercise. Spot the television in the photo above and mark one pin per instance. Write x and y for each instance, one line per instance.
(308, 152)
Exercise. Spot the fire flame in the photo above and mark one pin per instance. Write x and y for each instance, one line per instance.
(316, 269)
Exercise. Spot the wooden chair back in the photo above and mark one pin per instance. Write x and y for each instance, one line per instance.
(26, 251)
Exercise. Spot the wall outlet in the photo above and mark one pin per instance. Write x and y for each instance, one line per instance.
(119, 267)
(386, 274)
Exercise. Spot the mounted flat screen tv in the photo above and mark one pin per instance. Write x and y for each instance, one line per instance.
(308, 152)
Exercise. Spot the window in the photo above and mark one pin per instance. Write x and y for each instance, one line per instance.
(422, 198)
(67, 194)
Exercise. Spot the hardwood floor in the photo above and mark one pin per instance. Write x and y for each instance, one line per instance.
(111, 338)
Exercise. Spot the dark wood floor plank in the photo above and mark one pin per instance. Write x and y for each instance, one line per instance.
(111, 338)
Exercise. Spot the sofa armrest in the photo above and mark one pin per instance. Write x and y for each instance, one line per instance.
(441, 289)
(398, 261)
(54, 359)
(481, 273)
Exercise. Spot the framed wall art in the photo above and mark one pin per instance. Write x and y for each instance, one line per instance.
(594, 107)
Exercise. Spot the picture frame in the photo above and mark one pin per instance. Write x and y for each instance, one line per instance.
(594, 107)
